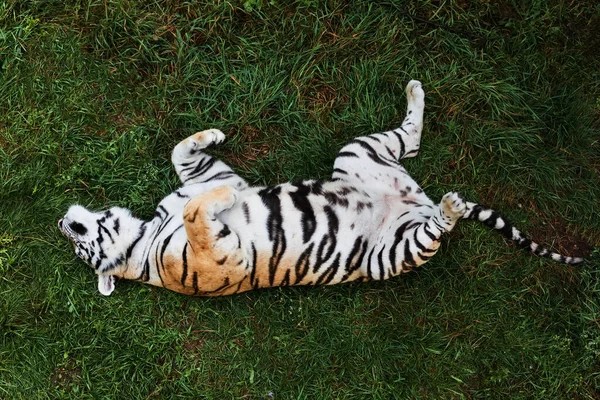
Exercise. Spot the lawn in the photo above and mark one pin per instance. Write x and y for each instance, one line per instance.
(94, 94)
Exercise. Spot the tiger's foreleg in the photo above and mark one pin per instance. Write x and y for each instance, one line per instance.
(194, 166)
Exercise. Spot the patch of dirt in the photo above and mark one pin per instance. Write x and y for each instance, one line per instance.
(322, 97)
(320, 94)
(562, 238)
(66, 376)
(194, 345)
(583, 30)
(253, 148)
(506, 11)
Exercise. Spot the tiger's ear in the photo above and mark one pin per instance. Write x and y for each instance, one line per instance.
(106, 284)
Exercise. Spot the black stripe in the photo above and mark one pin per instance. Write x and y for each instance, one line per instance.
(330, 272)
(346, 154)
(224, 232)
(303, 264)
(253, 273)
(373, 154)
(408, 257)
(380, 261)
(369, 272)
(246, 212)
(401, 141)
(391, 153)
(372, 137)
(410, 202)
(164, 248)
(195, 282)
(353, 253)
(185, 264)
(239, 286)
(307, 219)
(339, 171)
(201, 169)
(270, 198)
(162, 209)
(328, 240)
(286, 279)
(316, 187)
(141, 233)
(157, 265)
(431, 235)
(219, 176)
(351, 268)
(101, 226)
(397, 238)
(160, 229)
(145, 274)
(418, 243)
(163, 225)
(335, 199)
(222, 260)
(101, 254)
(225, 285)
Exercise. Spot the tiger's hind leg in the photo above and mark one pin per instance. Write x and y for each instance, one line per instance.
(371, 157)
(412, 126)
(195, 166)
(426, 237)
(414, 243)
(214, 262)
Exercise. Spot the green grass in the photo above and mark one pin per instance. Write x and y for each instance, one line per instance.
(94, 95)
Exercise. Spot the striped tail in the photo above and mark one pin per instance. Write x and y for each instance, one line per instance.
(492, 219)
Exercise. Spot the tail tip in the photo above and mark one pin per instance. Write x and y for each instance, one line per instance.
(575, 260)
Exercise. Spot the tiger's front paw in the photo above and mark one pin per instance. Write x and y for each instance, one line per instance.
(224, 197)
(190, 146)
(453, 205)
(203, 139)
(210, 203)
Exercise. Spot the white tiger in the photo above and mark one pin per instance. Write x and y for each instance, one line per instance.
(217, 236)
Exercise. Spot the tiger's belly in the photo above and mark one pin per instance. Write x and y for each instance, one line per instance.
(292, 237)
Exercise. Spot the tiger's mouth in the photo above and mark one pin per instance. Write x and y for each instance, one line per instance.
(64, 229)
(61, 227)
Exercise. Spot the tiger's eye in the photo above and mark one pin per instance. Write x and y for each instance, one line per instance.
(78, 228)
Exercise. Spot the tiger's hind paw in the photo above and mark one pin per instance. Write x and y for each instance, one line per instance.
(415, 93)
(453, 205)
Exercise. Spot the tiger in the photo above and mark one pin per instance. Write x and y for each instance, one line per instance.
(216, 235)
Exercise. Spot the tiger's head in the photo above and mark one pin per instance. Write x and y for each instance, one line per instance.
(102, 240)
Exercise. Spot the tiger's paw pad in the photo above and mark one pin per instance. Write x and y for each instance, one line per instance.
(415, 92)
(454, 205)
